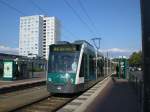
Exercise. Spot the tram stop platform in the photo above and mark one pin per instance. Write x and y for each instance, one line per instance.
(118, 96)
(110, 95)
(38, 79)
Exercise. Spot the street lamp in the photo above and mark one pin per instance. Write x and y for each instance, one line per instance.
(107, 61)
(96, 42)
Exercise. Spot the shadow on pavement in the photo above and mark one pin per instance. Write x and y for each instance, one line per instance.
(118, 96)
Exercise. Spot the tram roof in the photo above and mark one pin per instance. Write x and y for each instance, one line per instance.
(81, 42)
(75, 42)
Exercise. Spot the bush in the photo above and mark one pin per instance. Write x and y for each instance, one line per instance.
(36, 70)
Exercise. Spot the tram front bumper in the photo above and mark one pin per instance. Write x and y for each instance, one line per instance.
(67, 88)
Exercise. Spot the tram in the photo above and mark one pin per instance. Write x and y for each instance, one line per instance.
(72, 67)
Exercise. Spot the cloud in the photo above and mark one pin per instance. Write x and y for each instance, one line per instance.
(116, 52)
(8, 50)
(113, 52)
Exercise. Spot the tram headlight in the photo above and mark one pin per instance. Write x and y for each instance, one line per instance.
(49, 79)
(67, 76)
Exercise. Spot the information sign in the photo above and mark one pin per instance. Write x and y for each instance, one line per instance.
(8, 69)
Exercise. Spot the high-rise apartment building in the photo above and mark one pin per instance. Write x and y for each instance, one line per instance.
(51, 33)
(36, 34)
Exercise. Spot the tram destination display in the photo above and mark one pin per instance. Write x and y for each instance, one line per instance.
(63, 48)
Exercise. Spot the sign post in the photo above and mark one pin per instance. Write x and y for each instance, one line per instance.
(145, 17)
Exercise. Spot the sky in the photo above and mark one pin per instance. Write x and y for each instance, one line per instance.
(116, 22)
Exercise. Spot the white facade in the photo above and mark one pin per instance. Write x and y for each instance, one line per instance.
(51, 33)
(36, 34)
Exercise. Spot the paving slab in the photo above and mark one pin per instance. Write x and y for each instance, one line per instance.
(118, 96)
(107, 96)
(19, 82)
(81, 103)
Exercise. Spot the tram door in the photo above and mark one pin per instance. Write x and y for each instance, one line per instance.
(92, 72)
(84, 68)
(85, 63)
(1, 68)
(100, 65)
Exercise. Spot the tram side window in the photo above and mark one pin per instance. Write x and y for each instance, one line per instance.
(105, 66)
(85, 65)
(1, 69)
(100, 67)
(91, 68)
(81, 74)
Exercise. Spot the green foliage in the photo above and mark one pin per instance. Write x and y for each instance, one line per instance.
(136, 59)
(36, 69)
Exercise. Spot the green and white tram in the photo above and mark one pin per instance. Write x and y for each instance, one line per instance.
(71, 67)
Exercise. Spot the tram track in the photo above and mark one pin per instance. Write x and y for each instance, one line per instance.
(30, 100)
(49, 104)
(13, 100)
(35, 99)
(24, 91)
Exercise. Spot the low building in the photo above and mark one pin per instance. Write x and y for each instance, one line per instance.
(18, 67)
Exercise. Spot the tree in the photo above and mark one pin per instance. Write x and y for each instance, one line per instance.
(136, 59)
